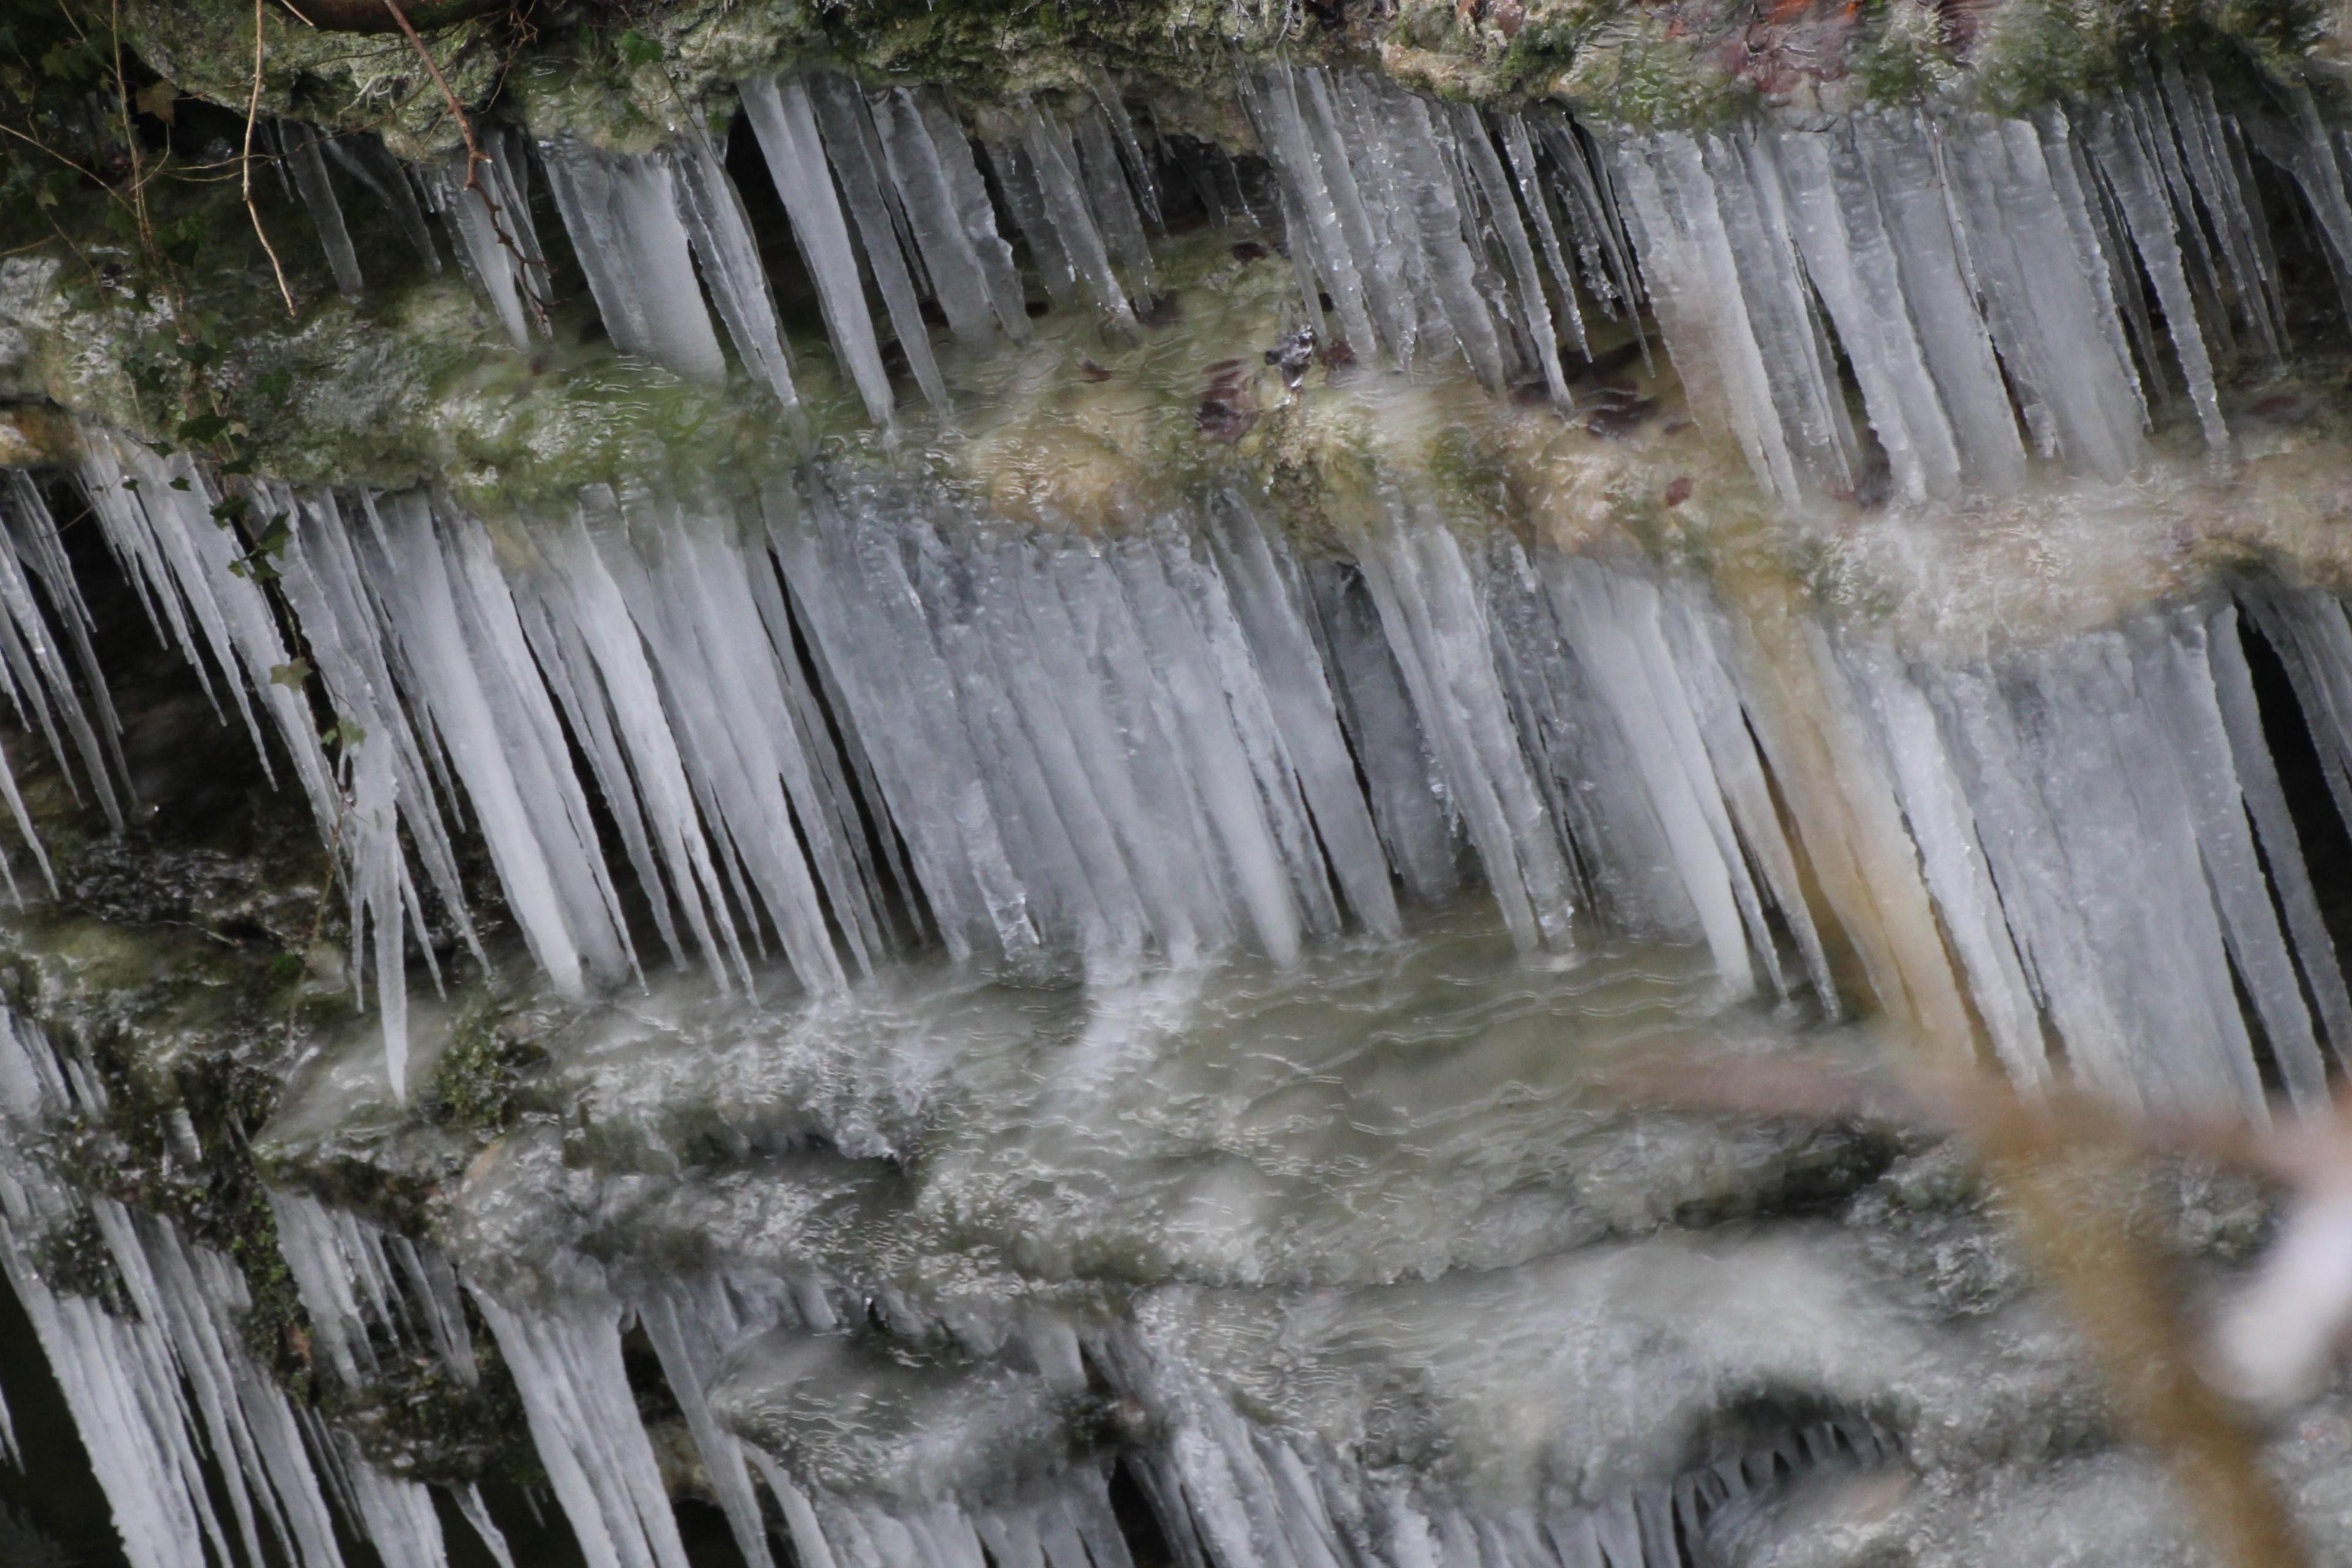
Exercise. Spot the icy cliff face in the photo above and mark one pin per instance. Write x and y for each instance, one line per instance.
(1080, 906)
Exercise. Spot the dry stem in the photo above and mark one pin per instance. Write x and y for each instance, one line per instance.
(476, 158)
(252, 111)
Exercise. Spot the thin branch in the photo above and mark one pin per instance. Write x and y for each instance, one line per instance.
(130, 132)
(476, 160)
(36, 141)
(252, 113)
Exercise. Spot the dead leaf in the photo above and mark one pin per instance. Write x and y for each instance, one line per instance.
(158, 99)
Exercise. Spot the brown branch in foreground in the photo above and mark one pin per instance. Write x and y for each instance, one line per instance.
(476, 160)
(252, 113)
(2050, 1157)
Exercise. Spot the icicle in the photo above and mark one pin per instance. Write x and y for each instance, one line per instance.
(1535, 315)
(1027, 199)
(622, 211)
(1138, 167)
(2048, 293)
(1850, 258)
(155, 1391)
(309, 168)
(1323, 228)
(1896, 179)
(33, 670)
(489, 213)
(566, 1360)
(978, 216)
(1694, 281)
(786, 126)
(2122, 158)
(1438, 630)
(933, 212)
(1525, 170)
(730, 262)
(1067, 214)
(1107, 194)
(365, 159)
(856, 157)
(455, 625)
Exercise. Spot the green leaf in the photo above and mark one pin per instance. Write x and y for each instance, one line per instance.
(202, 427)
(160, 449)
(636, 48)
(131, 485)
(180, 484)
(291, 675)
(344, 733)
(231, 509)
(195, 353)
(237, 465)
(275, 385)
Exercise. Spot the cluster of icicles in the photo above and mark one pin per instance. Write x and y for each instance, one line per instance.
(207, 1460)
(849, 716)
(852, 718)
(1980, 279)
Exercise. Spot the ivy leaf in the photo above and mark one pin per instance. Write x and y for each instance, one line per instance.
(274, 541)
(160, 449)
(157, 98)
(344, 733)
(237, 465)
(231, 509)
(202, 427)
(131, 485)
(196, 352)
(636, 48)
(275, 384)
(291, 675)
(180, 484)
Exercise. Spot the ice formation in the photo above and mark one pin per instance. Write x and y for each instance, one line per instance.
(980, 1247)
(178, 1416)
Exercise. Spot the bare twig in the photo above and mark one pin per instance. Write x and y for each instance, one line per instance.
(2051, 1155)
(252, 113)
(476, 160)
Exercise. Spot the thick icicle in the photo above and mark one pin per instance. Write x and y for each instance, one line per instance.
(301, 142)
(786, 126)
(365, 159)
(933, 212)
(730, 262)
(622, 211)
(855, 154)
(1064, 212)
(566, 1360)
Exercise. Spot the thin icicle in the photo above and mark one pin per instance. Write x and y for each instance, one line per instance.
(309, 167)
(730, 262)
(786, 125)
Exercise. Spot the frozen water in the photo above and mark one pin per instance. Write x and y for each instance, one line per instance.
(786, 125)
(301, 142)
(623, 212)
(486, 207)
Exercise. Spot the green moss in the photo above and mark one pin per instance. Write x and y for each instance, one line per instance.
(478, 1081)
(72, 1259)
(349, 80)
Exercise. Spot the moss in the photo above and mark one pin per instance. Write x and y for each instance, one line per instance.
(477, 1083)
(352, 82)
(72, 1259)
